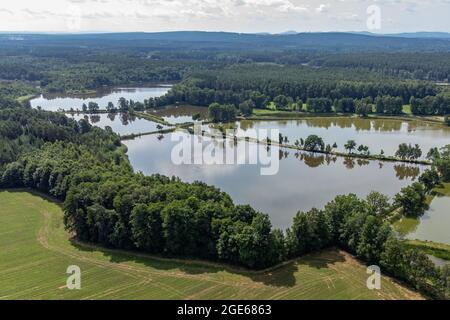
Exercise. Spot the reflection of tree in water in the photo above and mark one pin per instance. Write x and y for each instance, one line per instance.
(403, 171)
(310, 159)
(246, 124)
(362, 124)
(313, 161)
(387, 125)
(359, 124)
(180, 111)
(126, 118)
(160, 137)
(319, 123)
(224, 127)
(349, 163)
(342, 123)
(95, 118)
(329, 159)
(362, 162)
(282, 154)
(406, 226)
(111, 116)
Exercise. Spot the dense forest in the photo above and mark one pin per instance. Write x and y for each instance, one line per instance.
(79, 73)
(424, 66)
(324, 90)
(79, 62)
(298, 81)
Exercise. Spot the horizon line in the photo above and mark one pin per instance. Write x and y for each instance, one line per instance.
(288, 32)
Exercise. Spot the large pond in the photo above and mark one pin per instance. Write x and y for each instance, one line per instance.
(434, 225)
(378, 134)
(55, 102)
(121, 123)
(303, 181)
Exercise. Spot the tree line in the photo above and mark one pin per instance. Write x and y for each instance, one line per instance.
(242, 82)
(431, 105)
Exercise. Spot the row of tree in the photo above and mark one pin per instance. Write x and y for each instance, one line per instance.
(389, 105)
(222, 113)
(431, 105)
(407, 151)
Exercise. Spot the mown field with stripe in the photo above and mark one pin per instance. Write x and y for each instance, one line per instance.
(35, 252)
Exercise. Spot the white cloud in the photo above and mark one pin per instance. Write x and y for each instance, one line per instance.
(322, 8)
(228, 15)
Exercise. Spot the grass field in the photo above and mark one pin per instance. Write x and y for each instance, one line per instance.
(407, 109)
(35, 252)
(23, 99)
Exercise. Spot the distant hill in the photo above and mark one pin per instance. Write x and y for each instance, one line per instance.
(430, 35)
(422, 34)
(288, 32)
(328, 41)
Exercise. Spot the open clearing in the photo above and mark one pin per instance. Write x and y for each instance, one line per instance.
(35, 252)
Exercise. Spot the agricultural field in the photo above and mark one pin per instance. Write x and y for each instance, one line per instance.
(35, 252)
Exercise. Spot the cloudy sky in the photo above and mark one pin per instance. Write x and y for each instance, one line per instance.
(224, 15)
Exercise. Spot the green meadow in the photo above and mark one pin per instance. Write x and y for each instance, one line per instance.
(35, 252)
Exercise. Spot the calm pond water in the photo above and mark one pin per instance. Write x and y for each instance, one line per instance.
(378, 134)
(121, 123)
(434, 225)
(303, 181)
(54, 102)
(181, 114)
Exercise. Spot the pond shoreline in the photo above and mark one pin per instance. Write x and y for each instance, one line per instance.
(306, 116)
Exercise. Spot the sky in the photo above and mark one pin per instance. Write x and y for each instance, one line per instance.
(249, 16)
